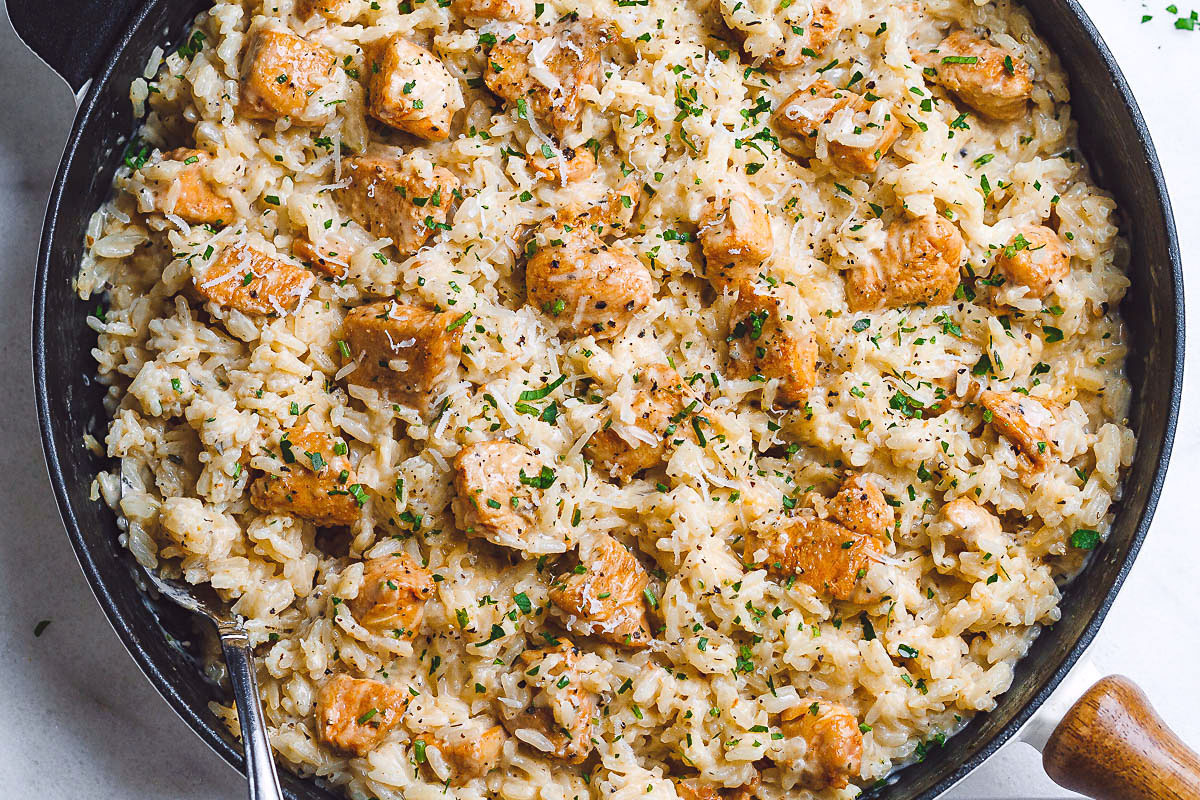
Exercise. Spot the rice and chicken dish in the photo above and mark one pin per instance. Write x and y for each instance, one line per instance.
(613, 398)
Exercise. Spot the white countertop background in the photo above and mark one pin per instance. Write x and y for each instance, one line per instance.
(77, 718)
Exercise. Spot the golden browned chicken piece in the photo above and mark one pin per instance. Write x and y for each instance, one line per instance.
(769, 341)
(613, 213)
(392, 597)
(576, 163)
(747, 791)
(821, 29)
(470, 749)
(402, 198)
(661, 396)
(860, 506)
(859, 137)
(505, 10)
(735, 235)
(355, 714)
(697, 789)
(338, 10)
(411, 90)
(316, 482)
(280, 72)
(407, 353)
(806, 110)
(496, 482)
(919, 264)
(977, 528)
(561, 708)
(1023, 421)
(253, 282)
(605, 600)
(802, 31)
(834, 754)
(197, 202)
(330, 257)
(1035, 258)
(822, 554)
(990, 79)
(572, 57)
(586, 286)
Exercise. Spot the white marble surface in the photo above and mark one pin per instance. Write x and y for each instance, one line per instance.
(77, 719)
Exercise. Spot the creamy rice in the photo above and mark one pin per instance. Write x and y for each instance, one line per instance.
(201, 393)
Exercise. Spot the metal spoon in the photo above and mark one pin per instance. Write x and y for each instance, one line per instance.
(239, 661)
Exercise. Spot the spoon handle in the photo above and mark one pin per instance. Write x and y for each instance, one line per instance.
(260, 765)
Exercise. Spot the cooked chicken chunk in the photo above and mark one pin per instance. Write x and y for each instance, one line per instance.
(768, 340)
(785, 35)
(1022, 420)
(660, 396)
(990, 79)
(570, 51)
(919, 264)
(860, 133)
(354, 715)
(406, 352)
(575, 163)
(860, 506)
(820, 553)
(605, 600)
(1035, 258)
(697, 789)
(821, 28)
(496, 483)
(561, 708)
(834, 742)
(735, 235)
(747, 791)
(316, 482)
(806, 110)
(584, 285)
(392, 597)
(411, 90)
(613, 213)
(504, 10)
(338, 10)
(253, 282)
(977, 528)
(280, 72)
(329, 257)
(471, 750)
(197, 201)
(402, 198)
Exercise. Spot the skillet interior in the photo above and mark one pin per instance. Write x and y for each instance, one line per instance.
(1112, 135)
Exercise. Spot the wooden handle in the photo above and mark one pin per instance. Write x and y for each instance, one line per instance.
(1111, 745)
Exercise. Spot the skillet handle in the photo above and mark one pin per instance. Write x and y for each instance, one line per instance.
(73, 37)
(1111, 745)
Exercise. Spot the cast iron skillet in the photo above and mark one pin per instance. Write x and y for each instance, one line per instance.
(99, 46)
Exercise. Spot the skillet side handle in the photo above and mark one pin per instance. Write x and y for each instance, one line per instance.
(1111, 745)
(73, 37)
